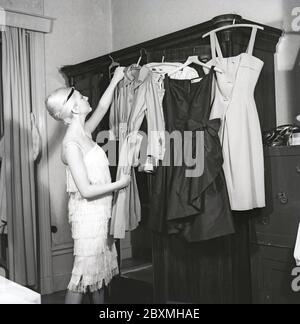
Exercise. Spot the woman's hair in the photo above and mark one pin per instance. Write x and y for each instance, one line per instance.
(56, 107)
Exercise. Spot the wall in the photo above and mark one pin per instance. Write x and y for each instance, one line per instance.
(135, 21)
(29, 6)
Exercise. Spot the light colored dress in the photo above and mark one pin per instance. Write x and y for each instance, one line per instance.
(95, 259)
(240, 131)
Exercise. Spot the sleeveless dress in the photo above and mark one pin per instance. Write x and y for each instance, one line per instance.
(193, 208)
(240, 131)
(95, 260)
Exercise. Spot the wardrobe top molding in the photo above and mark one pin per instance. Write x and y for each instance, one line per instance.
(267, 39)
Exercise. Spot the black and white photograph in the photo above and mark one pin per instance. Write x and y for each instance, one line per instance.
(149, 154)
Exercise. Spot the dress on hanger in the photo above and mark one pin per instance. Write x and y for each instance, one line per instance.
(95, 259)
(196, 208)
(138, 95)
(240, 131)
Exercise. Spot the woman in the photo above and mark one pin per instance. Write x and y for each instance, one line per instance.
(90, 191)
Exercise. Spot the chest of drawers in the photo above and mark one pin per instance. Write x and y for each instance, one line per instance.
(273, 230)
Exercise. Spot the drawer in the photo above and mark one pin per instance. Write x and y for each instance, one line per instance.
(271, 270)
(276, 224)
(283, 177)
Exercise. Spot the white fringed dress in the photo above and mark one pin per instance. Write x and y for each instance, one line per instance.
(95, 261)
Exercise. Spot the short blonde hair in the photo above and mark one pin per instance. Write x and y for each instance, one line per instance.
(55, 105)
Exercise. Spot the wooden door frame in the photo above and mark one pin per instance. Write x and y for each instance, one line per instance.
(43, 198)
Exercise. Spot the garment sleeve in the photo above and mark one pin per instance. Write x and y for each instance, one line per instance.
(147, 102)
(137, 115)
(114, 116)
(156, 123)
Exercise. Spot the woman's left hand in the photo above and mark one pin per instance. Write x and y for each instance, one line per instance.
(110, 241)
(119, 74)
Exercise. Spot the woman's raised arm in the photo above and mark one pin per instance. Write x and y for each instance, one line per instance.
(104, 102)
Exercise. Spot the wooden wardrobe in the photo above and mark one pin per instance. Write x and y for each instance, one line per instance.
(217, 271)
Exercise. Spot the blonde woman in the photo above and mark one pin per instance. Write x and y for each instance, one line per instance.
(90, 191)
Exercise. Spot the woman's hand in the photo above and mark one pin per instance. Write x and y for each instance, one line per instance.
(118, 75)
(124, 181)
(105, 101)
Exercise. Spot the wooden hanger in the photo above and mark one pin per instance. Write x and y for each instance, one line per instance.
(193, 59)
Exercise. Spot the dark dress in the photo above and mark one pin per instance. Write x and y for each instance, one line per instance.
(196, 208)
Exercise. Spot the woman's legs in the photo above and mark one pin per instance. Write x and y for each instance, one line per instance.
(98, 297)
(73, 298)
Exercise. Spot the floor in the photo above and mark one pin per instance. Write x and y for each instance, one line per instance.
(135, 286)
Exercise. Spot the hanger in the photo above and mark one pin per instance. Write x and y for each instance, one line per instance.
(163, 57)
(112, 65)
(141, 56)
(234, 25)
(164, 63)
(193, 59)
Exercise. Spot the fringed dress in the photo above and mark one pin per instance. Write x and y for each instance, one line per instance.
(95, 262)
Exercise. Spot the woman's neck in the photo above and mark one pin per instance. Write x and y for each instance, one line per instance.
(77, 124)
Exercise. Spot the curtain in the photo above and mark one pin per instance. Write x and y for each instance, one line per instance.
(1, 97)
(19, 163)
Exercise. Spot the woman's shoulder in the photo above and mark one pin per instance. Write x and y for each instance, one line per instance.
(69, 142)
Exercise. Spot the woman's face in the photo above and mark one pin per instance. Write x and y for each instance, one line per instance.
(82, 103)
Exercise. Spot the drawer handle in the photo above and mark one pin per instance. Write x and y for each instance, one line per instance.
(265, 220)
(283, 198)
(298, 168)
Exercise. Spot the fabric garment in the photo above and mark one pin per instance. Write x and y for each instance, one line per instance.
(3, 216)
(159, 70)
(137, 96)
(19, 165)
(95, 261)
(196, 208)
(240, 131)
(187, 73)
